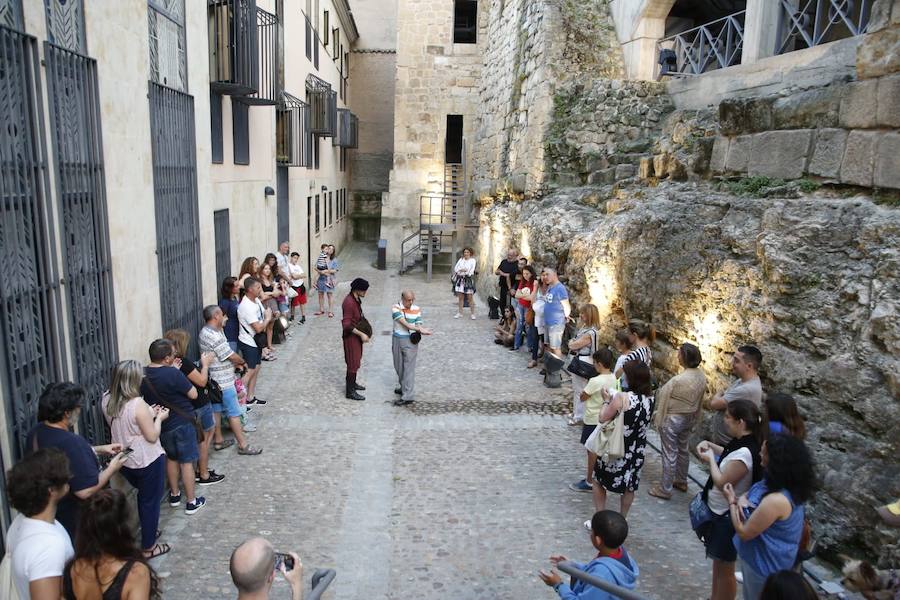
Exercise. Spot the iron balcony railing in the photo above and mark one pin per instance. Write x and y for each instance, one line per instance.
(267, 91)
(233, 47)
(715, 45)
(347, 135)
(322, 106)
(808, 23)
(292, 134)
(569, 568)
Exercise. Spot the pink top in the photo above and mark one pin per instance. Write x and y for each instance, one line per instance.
(126, 431)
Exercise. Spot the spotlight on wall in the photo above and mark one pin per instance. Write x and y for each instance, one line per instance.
(324, 188)
(269, 191)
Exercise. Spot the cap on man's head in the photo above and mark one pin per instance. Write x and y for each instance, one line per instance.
(359, 284)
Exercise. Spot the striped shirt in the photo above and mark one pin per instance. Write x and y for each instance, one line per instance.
(642, 354)
(221, 369)
(412, 315)
(322, 262)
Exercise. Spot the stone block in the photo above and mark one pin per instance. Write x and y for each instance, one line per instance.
(676, 169)
(719, 153)
(828, 153)
(859, 105)
(889, 102)
(645, 168)
(887, 161)
(745, 115)
(739, 154)
(660, 162)
(859, 158)
(625, 171)
(879, 54)
(804, 110)
(780, 154)
(602, 177)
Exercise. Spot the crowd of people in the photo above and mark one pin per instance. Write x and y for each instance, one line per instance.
(760, 472)
(73, 535)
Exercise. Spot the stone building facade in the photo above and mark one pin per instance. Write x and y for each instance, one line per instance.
(142, 163)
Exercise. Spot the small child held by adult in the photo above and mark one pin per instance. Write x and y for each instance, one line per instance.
(612, 563)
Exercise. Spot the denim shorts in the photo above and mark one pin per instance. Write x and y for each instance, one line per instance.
(180, 444)
(230, 405)
(555, 334)
(233, 346)
(283, 307)
(251, 354)
(205, 414)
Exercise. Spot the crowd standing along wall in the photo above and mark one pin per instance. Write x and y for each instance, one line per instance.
(750, 219)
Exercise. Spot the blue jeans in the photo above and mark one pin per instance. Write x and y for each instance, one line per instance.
(150, 482)
(531, 335)
(520, 325)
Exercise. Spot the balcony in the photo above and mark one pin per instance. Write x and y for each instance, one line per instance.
(715, 45)
(267, 92)
(347, 134)
(322, 107)
(292, 134)
(233, 47)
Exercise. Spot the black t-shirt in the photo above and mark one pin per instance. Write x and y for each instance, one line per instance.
(172, 387)
(511, 267)
(83, 466)
(188, 367)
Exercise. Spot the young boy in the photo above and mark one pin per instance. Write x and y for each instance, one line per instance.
(298, 279)
(603, 363)
(612, 563)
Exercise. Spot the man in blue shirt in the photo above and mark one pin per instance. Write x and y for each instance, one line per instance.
(556, 310)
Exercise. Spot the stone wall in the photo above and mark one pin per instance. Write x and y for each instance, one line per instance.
(812, 281)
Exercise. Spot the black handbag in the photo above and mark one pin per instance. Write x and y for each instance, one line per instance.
(212, 392)
(701, 516)
(581, 369)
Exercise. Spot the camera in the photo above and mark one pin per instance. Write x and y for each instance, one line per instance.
(284, 559)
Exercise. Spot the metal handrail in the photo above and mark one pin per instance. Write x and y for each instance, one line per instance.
(714, 45)
(321, 579)
(404, 253)
(569, 568)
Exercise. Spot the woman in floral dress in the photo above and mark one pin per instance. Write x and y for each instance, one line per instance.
(623, 475)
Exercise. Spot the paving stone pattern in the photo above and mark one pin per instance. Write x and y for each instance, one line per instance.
(460, 495)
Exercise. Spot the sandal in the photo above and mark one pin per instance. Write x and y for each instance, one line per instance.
(331, 315)
(656, 492)
(157, 550)
(532, 364)
(249, 450)
(223, 444)
(318, 313)
(681, 486)
(269, 357)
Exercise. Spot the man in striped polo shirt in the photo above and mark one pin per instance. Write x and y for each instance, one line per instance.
(407, 320)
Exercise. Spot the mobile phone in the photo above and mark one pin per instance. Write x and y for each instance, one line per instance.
(127, 451)
(284, 559)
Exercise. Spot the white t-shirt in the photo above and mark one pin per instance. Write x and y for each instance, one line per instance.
(296, 272)
(39, 550)
(248, 312)
(716, 499)
(282, 261)
(466, 266)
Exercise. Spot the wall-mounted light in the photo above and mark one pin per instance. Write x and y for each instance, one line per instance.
(324, 188)
(269, 191)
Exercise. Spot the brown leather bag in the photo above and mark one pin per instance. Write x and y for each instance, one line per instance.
(529, 316)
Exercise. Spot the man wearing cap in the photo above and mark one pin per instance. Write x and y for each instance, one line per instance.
(356, 332)
(408, 331)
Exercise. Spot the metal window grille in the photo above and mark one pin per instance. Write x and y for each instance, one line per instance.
(292, 132)
(325, 30)
(267, 41)
(233, 47)
(347, 135)
(29, 308)
(216, 134)
(222, 228)
(283, 208)
(240, 128)
(309, 40)
(808, 23)
(81, 193)
(331, 208)
(11, 14)
(336, 45)
(715, 45)
(168, 61)
(322, 105)
(173, 145)
(65, 24)
(316, 44)
(318, 212)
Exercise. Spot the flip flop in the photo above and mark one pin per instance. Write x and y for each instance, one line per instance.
(222, 445)
(318, 314)
(158, 550)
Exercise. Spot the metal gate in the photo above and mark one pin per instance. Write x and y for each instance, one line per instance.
(222, 227)
(29, 294)
(81, 196)
(177, 222)
(283, 209)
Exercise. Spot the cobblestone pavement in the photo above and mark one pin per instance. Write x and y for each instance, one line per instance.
(460, 495)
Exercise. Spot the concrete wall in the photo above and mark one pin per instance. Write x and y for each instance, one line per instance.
(435, 78)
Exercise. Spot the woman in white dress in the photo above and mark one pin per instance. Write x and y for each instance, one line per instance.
(464, 281)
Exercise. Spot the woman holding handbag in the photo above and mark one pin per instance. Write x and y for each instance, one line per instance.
(582, 348)
(737, 464)
(623, 475)
(523, 304)
(464, 271)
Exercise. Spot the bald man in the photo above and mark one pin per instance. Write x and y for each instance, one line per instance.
(407, 319)
(253, 570)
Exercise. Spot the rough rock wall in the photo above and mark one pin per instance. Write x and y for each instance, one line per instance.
(812, 281)
(534, 46)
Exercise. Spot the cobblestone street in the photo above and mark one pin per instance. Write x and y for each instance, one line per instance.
(461, 495)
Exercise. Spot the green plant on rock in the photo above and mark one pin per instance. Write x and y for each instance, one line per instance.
(808, 185)
(752, 186)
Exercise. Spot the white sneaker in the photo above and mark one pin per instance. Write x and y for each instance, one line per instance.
(473, 317)
(457, 315)
(739, 577)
